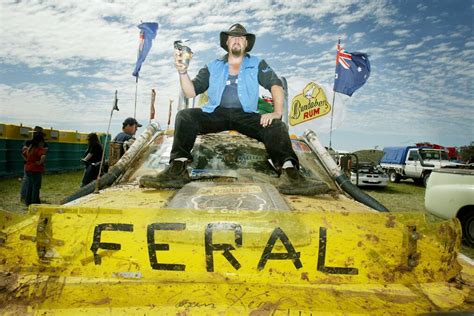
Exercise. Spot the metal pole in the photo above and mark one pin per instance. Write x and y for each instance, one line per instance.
(114, 107)
(169, 113)
(334, 93)
(136, 89)
(332, 114)
(152, 105)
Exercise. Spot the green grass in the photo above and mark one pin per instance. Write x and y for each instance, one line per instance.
(397, 197)
(400, 197)
(54, 188)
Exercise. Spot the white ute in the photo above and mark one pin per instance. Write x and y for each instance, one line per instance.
(450, 193)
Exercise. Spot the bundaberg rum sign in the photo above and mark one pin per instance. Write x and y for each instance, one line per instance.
(311, 103)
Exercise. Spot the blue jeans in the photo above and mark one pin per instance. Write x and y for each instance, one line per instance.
(33, 187)
(90, 174)
(24, 187)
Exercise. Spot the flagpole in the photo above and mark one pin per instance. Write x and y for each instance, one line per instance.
(152, 105)
(114, 107)
(136, 90)
(334, 92)
(332, 115)
(169, 114)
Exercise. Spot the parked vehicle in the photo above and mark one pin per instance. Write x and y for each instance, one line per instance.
(450, 194)
(368, 174)
(450, 151)
(411, 162)
(227, 243)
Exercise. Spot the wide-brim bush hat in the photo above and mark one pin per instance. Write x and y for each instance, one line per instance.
(237, 30)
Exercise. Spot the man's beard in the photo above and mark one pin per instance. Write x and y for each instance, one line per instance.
(237, 52)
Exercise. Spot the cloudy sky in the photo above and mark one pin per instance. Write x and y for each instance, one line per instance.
(61, 61)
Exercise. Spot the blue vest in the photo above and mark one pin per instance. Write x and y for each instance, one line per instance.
(247, 86)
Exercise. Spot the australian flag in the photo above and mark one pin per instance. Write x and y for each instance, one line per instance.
(352, 71)
(147, 35)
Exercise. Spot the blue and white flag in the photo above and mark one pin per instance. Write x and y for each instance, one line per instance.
(147, 35)
(352, 71)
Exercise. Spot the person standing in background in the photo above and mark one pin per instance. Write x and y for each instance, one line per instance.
(92, 159)
(126, 136)
(26, 145)
(35, 156)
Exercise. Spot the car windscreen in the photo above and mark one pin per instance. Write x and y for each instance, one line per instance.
(227, 155)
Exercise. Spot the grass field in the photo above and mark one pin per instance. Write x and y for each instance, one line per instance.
(400, 197)
(54, 188)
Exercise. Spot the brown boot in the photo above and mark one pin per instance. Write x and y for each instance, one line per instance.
(292, 182)
(175, 176)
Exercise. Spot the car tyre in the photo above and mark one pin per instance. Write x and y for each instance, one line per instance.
(419, 181)
(393, 176)
(467, 224)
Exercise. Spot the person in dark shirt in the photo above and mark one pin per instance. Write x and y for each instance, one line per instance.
(92, 159)
(126, 136)
(232, 83)
(24, 183)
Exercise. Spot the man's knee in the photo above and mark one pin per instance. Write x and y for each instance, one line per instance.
(186, 115)
(277, 126)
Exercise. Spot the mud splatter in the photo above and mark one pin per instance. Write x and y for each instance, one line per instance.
(7, 281)
(388, 276)
(429, 273)
(372, 238)
(267, 308)
(349, 262)
(390, 223)
(304, 276)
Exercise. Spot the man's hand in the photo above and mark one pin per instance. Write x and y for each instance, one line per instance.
(267, 119)
(178, 61)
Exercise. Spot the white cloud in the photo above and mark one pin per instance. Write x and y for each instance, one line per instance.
(402, 33)
(433, 19)
(393, 43)
(422, 7)
(414, 46)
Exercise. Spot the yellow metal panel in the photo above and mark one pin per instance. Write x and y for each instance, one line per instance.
(167, 261)
(52, 135)
(318, 247)
(82, 138)
(127, 196)
(68, 136)
(16, 132)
